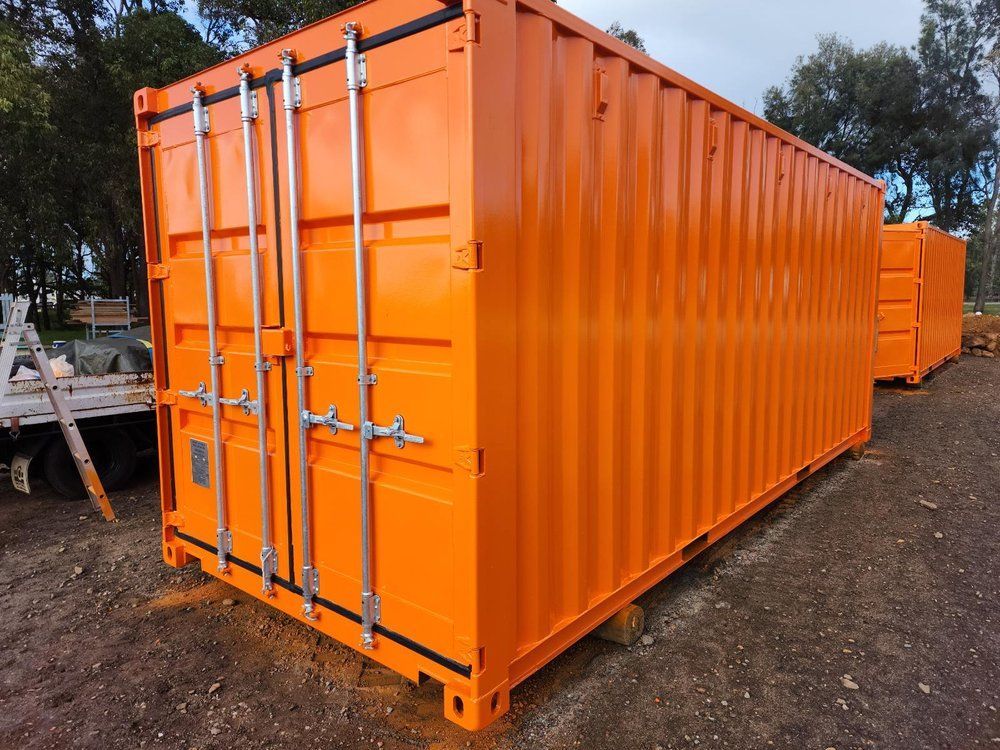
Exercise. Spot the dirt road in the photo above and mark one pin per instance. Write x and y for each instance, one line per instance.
(861, 611)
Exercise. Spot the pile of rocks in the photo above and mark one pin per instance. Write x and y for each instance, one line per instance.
(981, 344)
(981, 335)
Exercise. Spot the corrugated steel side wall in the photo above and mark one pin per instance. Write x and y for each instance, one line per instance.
(942, 293)
(695, 319)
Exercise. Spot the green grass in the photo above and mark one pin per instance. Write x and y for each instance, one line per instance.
(992, 308)
(67, 334)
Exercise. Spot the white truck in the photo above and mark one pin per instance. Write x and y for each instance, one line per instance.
(115, 414)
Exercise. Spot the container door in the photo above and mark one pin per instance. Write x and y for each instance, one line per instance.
(897, 304)
(406, 309)
(212, 371)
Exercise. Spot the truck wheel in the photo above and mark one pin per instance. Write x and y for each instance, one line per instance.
(112, 452)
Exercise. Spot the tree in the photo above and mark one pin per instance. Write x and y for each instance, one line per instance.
(629, 36)
(29, 227)
(988, 239)
(860, 106)
(958, 125)
(238, 25)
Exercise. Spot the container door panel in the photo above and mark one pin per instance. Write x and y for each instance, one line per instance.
(186, 336)
(409, 318)
(897, 342)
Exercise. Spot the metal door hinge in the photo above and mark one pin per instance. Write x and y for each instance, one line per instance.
(157, 272)
(470, 459)
(310, 580)
(278, 342)
(466, 31)
(173, 518)
(468, 257)
(474, 655)
(396, 431)
(166, 398)
(224, 541)
(330, 420)
(269, 561)
(148, 138)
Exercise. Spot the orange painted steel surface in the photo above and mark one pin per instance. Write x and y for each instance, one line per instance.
(921, 291)
(624, 314)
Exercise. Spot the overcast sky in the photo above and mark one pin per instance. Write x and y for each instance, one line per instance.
(738, 48)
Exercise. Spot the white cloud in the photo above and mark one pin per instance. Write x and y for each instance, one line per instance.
(738, 48)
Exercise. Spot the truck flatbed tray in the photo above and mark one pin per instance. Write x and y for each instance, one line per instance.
(87, 395)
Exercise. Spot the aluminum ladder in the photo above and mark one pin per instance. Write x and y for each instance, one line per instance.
(18, 328)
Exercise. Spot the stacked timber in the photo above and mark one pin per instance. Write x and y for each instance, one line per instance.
(106, 312)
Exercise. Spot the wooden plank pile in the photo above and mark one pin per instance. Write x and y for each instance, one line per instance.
(106, 312)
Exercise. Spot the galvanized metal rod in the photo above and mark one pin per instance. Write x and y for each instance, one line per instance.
(310, 577)
(365, 381)
(268, 555)
(223, 537)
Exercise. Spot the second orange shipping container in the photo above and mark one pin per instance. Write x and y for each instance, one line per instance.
(921, 292)
(473, 323)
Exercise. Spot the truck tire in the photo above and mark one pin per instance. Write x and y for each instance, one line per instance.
(112, 452)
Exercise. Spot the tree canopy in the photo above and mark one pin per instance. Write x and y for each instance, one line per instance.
(926, 119)
(629, 36)
(70, 219)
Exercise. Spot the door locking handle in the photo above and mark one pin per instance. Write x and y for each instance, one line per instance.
(396, 431)
(330, 419)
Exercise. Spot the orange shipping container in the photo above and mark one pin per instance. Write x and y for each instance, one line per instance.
(553, 322)
(921, 290)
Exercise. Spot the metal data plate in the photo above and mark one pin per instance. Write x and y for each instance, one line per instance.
(199, 463)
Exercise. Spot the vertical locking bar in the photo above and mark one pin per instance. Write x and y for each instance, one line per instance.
(310, 577)
(368, 601)
(268, 556)
(223, 537)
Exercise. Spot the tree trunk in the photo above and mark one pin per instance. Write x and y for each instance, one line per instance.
(989, 244)
(43, 284)
(60, 296)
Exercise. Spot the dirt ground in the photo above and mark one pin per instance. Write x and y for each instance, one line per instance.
(861, 611)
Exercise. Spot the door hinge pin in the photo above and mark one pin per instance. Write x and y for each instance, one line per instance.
(224, 546)
(157, 272)
(268, 566)
(468, 257)
(310, 588)
(166, 398)
(470, 459)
